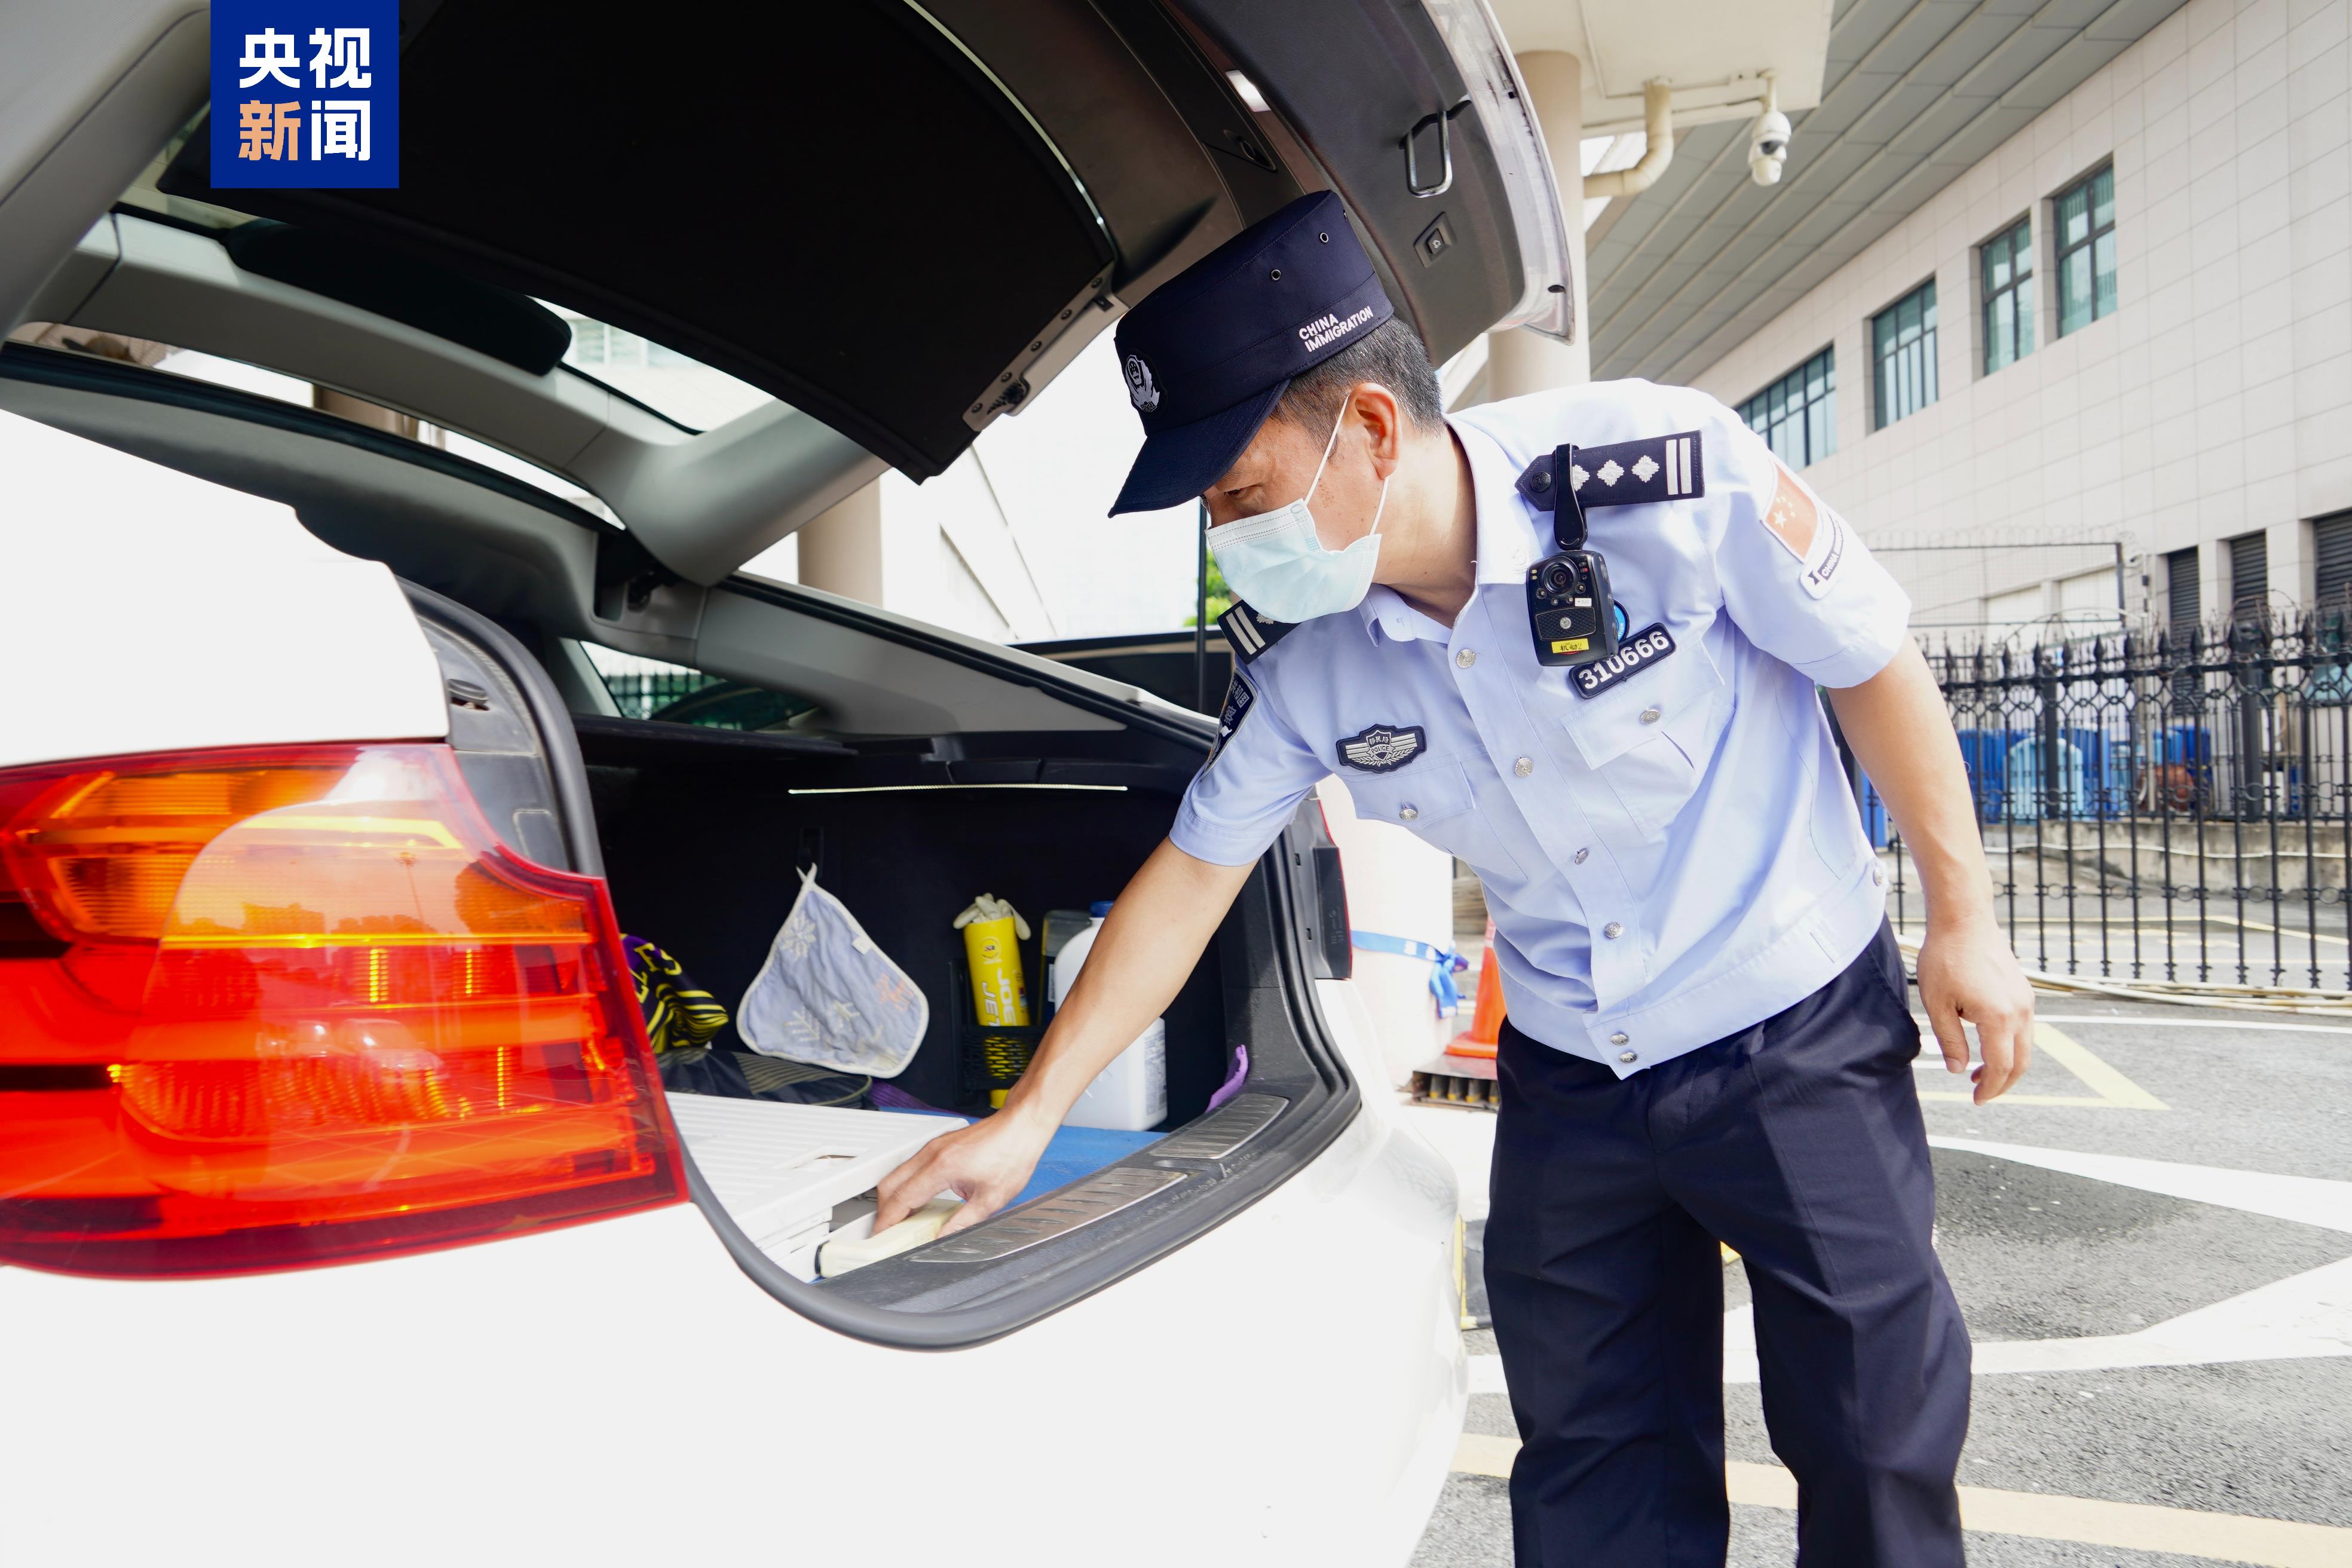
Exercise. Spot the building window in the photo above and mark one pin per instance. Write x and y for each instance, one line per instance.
(1797, 414)
(1903, 352)
(2085, 219)
(2007, 263)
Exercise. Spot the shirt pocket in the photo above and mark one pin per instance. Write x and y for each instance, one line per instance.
(1650, 738)
(1433, 800)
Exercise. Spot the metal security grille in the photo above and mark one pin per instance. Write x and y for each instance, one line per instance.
(2181, 587)
(2331, 539)
(1902, 354)
(1797, 414)
(2249, 574)
(2171, 806)
(2006, 260)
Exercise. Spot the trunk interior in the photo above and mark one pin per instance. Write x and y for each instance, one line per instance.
(704, 833)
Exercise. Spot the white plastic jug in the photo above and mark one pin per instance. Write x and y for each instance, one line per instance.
(1131, 1094)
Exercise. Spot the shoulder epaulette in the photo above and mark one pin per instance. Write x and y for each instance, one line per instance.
(1660, 468)
(1249, 634)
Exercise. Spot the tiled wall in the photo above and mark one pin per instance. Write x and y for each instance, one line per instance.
(2217, 400)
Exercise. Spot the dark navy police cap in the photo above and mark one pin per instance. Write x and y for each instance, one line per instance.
(1208, 355)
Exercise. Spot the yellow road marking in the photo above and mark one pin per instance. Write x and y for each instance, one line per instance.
(2291, 930)
(2076, 1058)
(1477, 1454)
(2112, 1090)
(2044, 1516)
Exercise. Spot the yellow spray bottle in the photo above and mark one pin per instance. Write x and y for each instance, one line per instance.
(992, 933)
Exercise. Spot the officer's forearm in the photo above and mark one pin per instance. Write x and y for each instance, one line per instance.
(1147, 947)
(1896, 723)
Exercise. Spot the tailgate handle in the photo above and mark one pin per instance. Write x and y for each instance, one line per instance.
(1442, 119)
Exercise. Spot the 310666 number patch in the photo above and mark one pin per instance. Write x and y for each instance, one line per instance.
(1634, 653)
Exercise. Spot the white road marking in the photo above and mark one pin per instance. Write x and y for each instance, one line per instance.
(2305, 1315)
(2189, 1024)
(2307, 1200)
(2309, 1315)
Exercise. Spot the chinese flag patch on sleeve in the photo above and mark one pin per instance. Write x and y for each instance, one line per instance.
(1806, 529)
(1792, 517)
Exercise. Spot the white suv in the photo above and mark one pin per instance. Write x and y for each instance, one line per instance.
(318, 827)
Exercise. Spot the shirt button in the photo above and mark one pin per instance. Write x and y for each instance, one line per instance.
(1621, 1038)
(1649, 715)
(1878, 875)
(1582, 855)
(1466, 658)
(1524, 766)
(1410, 812)
(1613, 930)
(1629, 1058)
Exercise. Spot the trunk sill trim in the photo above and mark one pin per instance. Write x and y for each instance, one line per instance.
(1224, 1129)
(1081, 1203)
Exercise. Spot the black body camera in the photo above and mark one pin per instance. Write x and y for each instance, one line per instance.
(1569, 612)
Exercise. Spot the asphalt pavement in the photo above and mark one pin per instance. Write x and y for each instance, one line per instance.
(2149, 1240)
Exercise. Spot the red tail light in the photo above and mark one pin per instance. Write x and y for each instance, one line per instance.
(267, 1009)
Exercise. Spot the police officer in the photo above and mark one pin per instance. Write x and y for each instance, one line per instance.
(1709, 1035)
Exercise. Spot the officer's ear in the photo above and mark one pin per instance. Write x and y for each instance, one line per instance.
(1383, 418)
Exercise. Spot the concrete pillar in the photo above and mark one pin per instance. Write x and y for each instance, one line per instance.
(1518, 361)
(2213, 577)
(2294, 572)
(841, 547)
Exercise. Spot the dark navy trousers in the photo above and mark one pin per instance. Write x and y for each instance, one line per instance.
(1798, 1143)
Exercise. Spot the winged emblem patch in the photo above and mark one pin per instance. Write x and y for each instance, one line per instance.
(1383, 748)
(1240, 697)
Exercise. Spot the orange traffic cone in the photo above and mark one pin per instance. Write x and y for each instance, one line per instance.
(1486, 1032)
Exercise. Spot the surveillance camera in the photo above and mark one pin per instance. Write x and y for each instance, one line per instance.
(1767, 147)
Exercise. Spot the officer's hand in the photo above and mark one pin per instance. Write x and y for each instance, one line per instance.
(1969, 974)
(985, 1165)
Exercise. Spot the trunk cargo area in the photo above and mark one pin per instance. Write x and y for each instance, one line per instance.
(703, 844)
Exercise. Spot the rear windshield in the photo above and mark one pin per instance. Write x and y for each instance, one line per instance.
(675, 694)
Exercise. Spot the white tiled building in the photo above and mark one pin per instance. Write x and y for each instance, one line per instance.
(2212, 404)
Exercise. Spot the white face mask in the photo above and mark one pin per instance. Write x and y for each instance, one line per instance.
(1277, 563)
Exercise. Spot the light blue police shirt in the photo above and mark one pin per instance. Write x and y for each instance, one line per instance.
(1669, 860)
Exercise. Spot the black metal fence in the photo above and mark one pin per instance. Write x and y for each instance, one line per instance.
(2168, 806)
